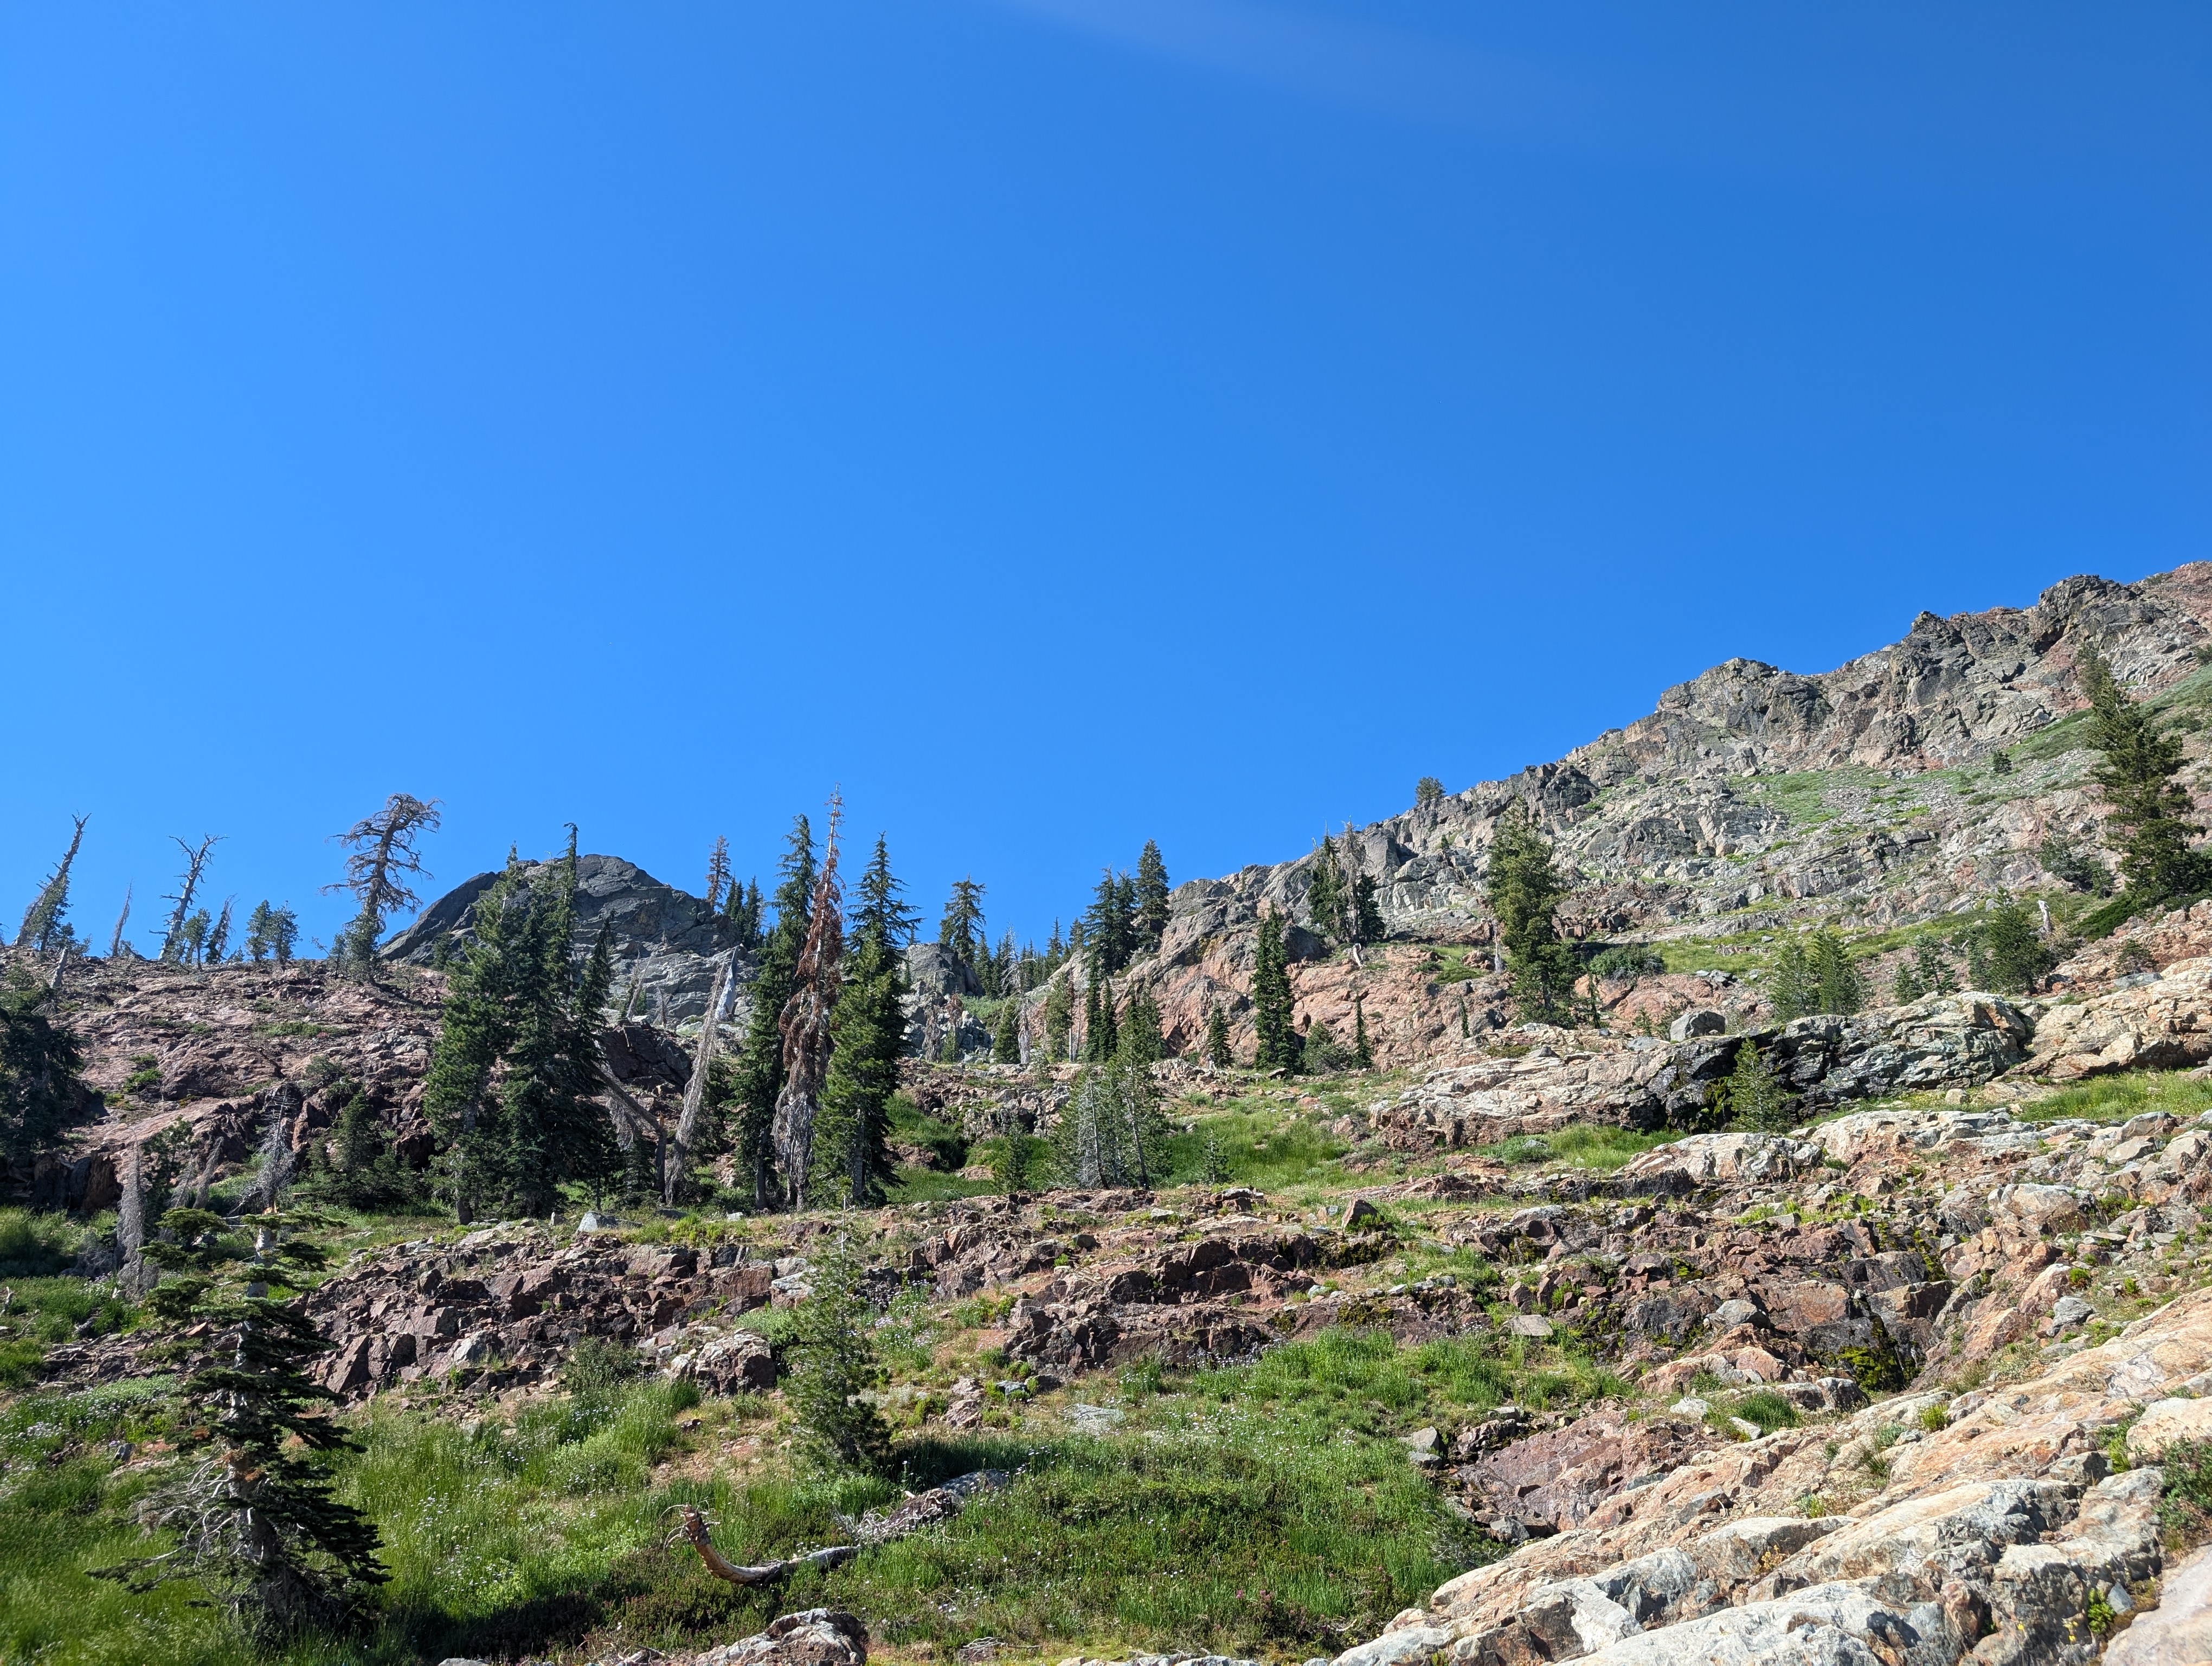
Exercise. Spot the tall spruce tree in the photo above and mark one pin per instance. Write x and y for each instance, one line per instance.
(1524, 893)
(1836, 975)
(1006, 1036)
(45, 923)
(2147, 807)
(1152, 896)
(1328, 896)
(1109, 929)
(759, 1075)
(868, 1035)
(1278, 1047)
(381, 866)
(960, 930)
(1060, 1016)
(719, 884)
(512, 1078)
(1795, 990)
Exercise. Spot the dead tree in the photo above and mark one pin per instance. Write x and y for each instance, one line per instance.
(172, 940)
(115, 943)
(380, 864)
(804, 1024)
(42, 920)
(695, 1090)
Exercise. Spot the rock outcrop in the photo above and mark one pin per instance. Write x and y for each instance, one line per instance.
(669, 947)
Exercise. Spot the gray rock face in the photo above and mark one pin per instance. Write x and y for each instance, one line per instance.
(666, 941)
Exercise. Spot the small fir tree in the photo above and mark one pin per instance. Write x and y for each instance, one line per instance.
(833, 1365)
(1836, 975)
(1140, 1040)
(1794, 991)
(2147, 808)
(868, 1035)
(1217, 1038)
(1367, 925)
(255, 1518)
(1006, 1038)
(1524, 894)
(1428, 793)
(1326, 896)
(2014, 955)
(1754, 1096)
(1363, 1051)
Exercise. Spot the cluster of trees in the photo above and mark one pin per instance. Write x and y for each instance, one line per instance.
(1815, 974)
(1525, 888)
(1340, 898)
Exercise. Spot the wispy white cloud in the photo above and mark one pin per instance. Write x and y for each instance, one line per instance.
(1355, 65)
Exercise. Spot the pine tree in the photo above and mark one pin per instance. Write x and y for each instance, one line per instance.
(1150, 896)
(868, 1035)
(1363, 1052)
(1366, 914)
(1006, 1040)
(1109, 929)
(833, 1361)
(718, 873)
(380, 866)
(759, 1075)
(45, 926)
(743, 912)
(1933, 968)
(1905, 986)
(1326, 895)
(1139, 1041)
(1753, 1096)
(510, 1084)
(806, 1019)
(1842, 989)
(1060, 1016)
(258, 943)
(1112, 1133)
(1794, 991)
(1524, 893)
(2147, 807)
(962, 924)
(1428, 793)
(2015, 955)
(1217, 1039)
(1278, 1047)
(39, 1058)
(218, 936)
(255, 1519)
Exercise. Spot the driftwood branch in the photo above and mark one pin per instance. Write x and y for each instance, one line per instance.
(878, 1527)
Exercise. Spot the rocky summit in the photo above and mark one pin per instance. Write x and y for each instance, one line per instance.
(1512, 1342)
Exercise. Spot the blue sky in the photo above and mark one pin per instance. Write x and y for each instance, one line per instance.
(1060, 422)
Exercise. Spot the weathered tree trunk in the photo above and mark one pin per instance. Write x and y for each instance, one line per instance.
(695, 1090)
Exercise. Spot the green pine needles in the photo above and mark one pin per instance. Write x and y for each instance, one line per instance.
(1278, 1046)
(511, 1082)
(1525, 889)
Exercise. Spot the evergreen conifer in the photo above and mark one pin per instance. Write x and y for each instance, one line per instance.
(1006, 1038)
(868, 1035)
(1278, 1044)
(833, 1361)
(381, 866)
(39, 1059)
(1795, 990)
(1753, 1096)
(1366, 913)
(1139, 1041)
(1524, 893)
(510, 1084)
(1217, 1038)
(961, 928)
(1060, 1016)
(255, 1518)
(1428, 793)
(44, 924)
(2147, 807)
(1363, 1051)
(1151, 897)
(1835, 975)
(718, 873)
(759, 1076)
(1325, 896)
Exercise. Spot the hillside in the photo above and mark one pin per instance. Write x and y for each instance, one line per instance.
(1508, 1349)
